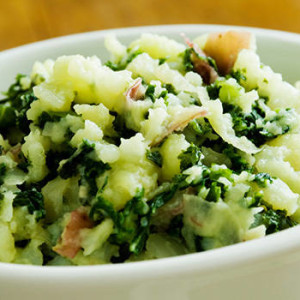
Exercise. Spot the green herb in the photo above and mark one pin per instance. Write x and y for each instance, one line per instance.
(49, 117)
(245, 124)
(263, 179)
(132, 224)
(131, 55)
(7, 116)
(274, 220)
(238, 75)
(213, 91)
(190, 157)
(170, 88)
(15, 105)
(238, 163)
(34, 201)
(155, 157)
(80, 163)
(162, 60)
(214, 193)
(150, 92)
(2, 172)
(121, 129)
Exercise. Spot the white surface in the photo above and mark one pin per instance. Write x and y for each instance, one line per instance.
(268, 268)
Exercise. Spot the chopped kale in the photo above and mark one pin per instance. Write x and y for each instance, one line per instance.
(80, 163)
(213, 91)
(214, 193)
(247, 124)
(190, 157)
(91, 171)
(150, 92)
(53, 158)
(263, 179)
(132, 223)
(127, 221)
(274, 220)
(34, 201)
(170, 88)
(7, 116)
(155, 157)
(175, 226)
(238, 75)
(121, 129)
(187, 60)
(131, 55)
(238, 163)
(49, 117)
(162, 60)
(16, 104)
(22, 243)
(2, 172)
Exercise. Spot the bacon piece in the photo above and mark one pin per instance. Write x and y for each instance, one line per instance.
(224, 48)
(15, 151)
(70, 240)
(193, 45)
(182, 120)
(200, 63)
(204, 69)
(135, 92)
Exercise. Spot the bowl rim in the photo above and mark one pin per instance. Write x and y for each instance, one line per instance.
(245, 253)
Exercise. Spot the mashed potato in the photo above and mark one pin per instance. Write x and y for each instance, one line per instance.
(168, 148)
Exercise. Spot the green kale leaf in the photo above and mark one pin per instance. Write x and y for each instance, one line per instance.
(190, 157)
(155, 157)
(34, 201)
(80, 163)
(2, 172)
(274, 220)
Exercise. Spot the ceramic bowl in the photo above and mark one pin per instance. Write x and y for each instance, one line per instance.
(268, 268)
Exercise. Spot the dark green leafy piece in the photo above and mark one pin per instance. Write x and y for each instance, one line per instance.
(34, 201)
(238, 75)
(155, 157)
(274, 220)
(132, 224)
(121, 129)
(150, 92)
(16, 104)
(214, 193)
(190, 157)
(131, 55)
(2, 172)
(263, 179)
(49, 117)
(238, 163)
(80, 163)
(7, 116)
(245, 124)
(213, 91)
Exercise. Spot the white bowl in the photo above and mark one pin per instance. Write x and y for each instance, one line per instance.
(268, 268)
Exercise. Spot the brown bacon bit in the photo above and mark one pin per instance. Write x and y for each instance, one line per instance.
(70, 240)
(204, 69)
(224, 48)
(135, 92)
(181, 122)
(201, 65)
(15, 151)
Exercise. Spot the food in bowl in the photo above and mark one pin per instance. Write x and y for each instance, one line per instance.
(169, 148)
